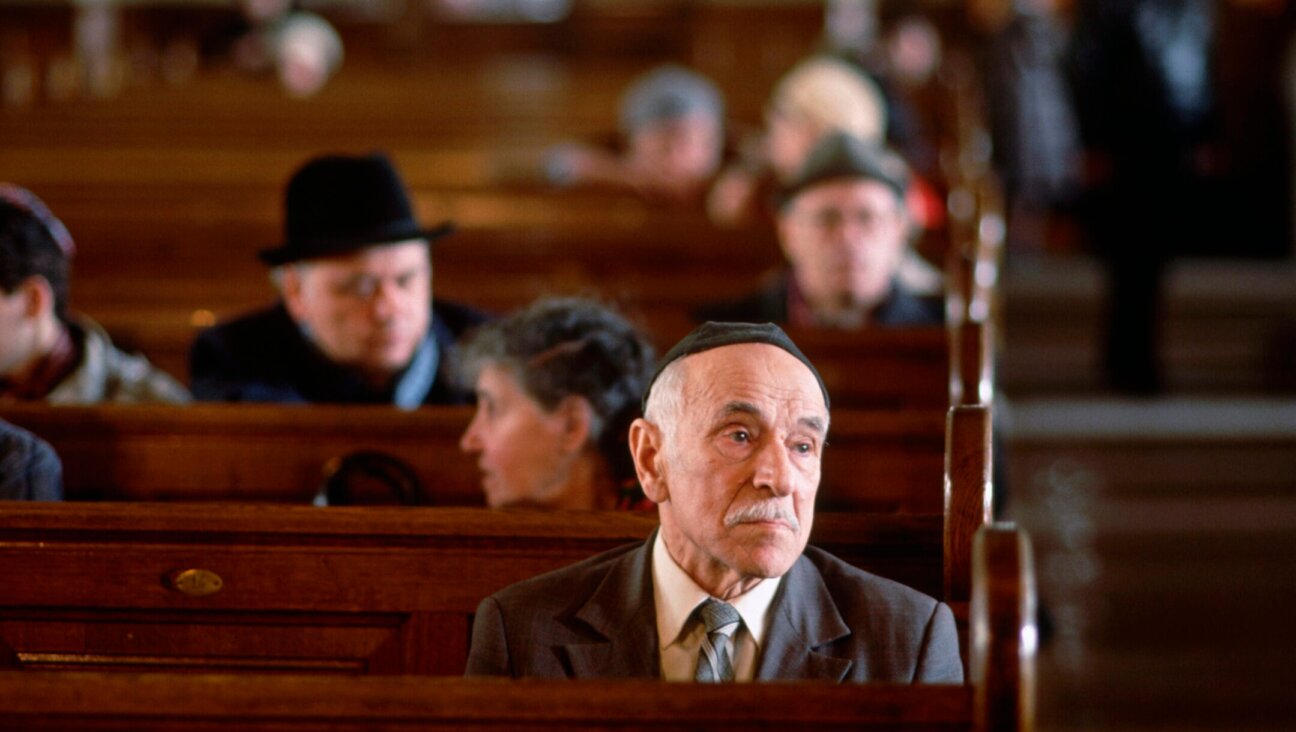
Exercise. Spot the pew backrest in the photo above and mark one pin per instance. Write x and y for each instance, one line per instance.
(339, 590)
(876, 460)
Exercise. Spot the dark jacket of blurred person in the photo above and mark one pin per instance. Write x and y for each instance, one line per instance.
(266, 357)
(1147, 108)
(29, 468)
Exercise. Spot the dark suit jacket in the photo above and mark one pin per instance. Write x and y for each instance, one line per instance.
(29, 468)
(829, 620)
(263, 357)
(769, 304)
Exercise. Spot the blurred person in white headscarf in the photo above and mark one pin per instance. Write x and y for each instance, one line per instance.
(817, 97)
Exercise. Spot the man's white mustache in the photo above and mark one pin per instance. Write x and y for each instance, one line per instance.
(767, 511)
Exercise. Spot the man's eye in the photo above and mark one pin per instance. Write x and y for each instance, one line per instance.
(740, 436)
(363, 287)
(803, 448)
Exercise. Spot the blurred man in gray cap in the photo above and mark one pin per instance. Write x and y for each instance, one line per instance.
(844, 228)
(672, 124)
(729, 448)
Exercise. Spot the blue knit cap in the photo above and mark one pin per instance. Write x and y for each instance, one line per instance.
(668, 92)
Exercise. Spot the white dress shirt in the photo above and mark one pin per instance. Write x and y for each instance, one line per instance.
(676, 596)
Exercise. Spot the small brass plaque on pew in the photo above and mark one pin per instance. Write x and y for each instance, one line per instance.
(194, 582)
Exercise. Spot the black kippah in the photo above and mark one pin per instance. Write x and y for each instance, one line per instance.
(711, 335)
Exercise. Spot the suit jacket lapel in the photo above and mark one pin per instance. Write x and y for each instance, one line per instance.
(622, 611)
(804, 619)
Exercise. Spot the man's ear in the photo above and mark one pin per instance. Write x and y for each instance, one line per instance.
(290, 288)
(37, 296)
(646, 447)
(577, 422)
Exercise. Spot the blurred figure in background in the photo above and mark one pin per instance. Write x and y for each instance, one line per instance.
(845, 229)
(817, 97)
(1147, 109)
(672, 124)
(902, 55)
(302, 49)
(1031, 114)
(48, 353)
(356, 322)
(29, 468)
(558, 384)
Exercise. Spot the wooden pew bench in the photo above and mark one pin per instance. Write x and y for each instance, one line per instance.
(342, 590)
(999, 694)
(46, 702)
(878, 460)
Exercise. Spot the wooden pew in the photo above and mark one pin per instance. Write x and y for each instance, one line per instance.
(879, 460)
(875, 461)
(241, 588)
(399, 73)
(999, 695)
(46, 702)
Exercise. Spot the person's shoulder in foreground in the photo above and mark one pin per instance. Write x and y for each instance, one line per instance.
(29, 468)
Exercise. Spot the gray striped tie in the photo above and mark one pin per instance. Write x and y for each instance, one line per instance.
(715, 659)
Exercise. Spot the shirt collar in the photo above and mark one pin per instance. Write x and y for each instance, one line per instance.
(676, 596)
(413, 386)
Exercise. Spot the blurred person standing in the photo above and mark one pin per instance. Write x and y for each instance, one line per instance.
(1147, 109)
(1033, 126)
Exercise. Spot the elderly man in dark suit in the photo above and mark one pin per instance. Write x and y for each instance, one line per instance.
(729, 448)
(357, 322)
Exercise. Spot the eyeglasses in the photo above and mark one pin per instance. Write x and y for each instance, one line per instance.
(831, 219)
(365, 286)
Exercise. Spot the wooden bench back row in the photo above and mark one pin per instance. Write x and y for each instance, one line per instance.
(875, 460)
(182, 279)
(1000, 695)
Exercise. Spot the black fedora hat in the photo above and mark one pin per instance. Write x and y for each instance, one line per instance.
(337, 204)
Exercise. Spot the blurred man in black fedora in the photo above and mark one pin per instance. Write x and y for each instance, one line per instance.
(356, 322)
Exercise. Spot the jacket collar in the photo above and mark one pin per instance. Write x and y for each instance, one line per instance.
(804, 619)
(621, 610)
